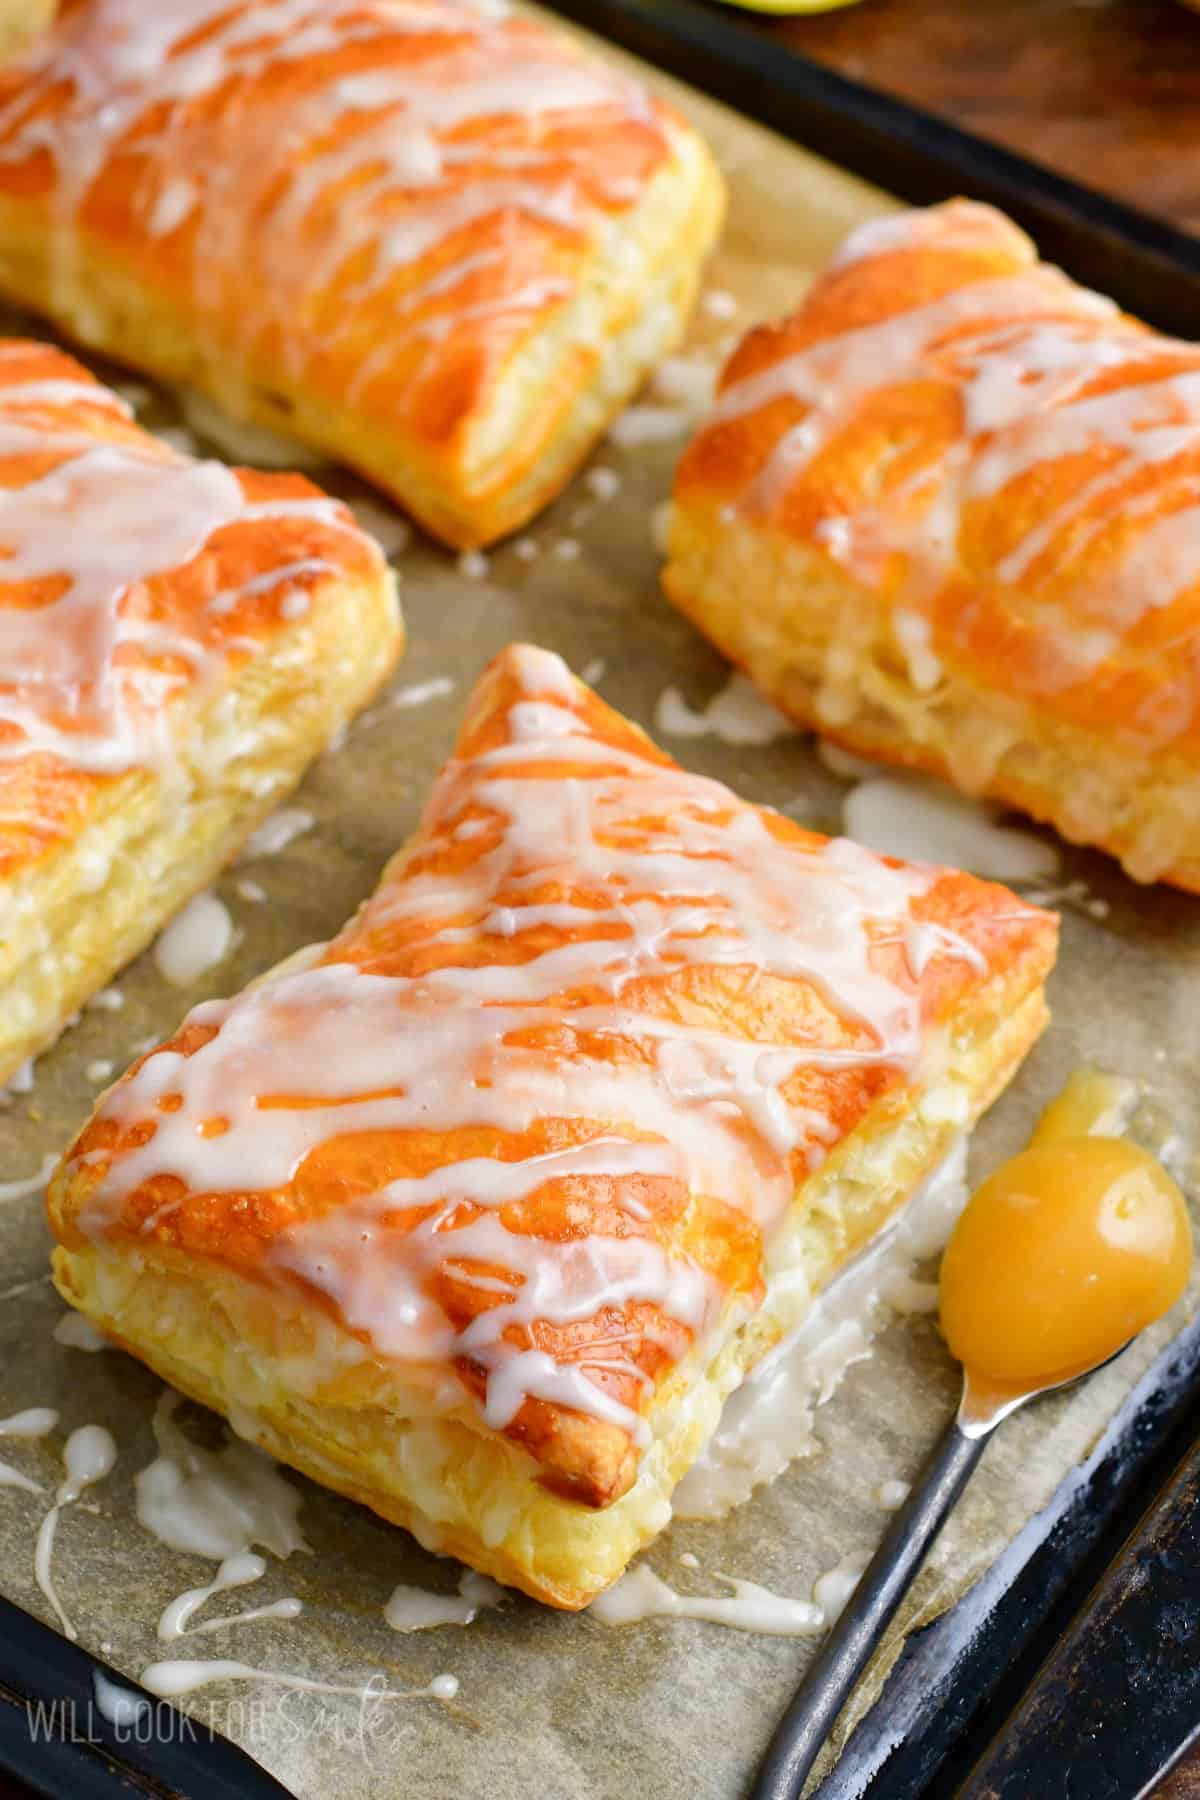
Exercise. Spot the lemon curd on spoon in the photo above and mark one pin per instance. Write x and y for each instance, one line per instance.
(1065, 1252)
(1059, 1259)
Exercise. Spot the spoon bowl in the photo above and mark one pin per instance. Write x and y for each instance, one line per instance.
(1081, 1234)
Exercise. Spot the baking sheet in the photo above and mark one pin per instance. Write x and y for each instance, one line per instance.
(552, 1704)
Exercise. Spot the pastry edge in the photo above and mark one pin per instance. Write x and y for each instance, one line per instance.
(472, 1494)
(466, 498)
(767, 601)
(69, 937)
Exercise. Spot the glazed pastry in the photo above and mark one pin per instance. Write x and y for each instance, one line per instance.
(178, 640)
(440, 243)
(479, 1212)
(20, 22)
(949, 514)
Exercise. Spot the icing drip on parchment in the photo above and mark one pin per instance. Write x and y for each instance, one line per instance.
(641, 1594)
(234, 1572)
(173, 1678)
(88, 1456)
(34, 1422)
(214, 1503)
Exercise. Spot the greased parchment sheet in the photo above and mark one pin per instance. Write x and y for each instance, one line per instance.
(555, 1705)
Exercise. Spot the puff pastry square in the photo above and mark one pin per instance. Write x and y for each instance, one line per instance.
(178, 640)
(440, 243)
(479, 1212)
(947, 512)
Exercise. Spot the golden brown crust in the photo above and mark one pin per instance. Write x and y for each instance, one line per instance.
(946, 513)
(452, 250)
(615, 1068)
(476, 1496)
(151, 711)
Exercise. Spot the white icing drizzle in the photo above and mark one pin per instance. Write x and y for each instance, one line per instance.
(474, 565)
(738, 714)
(107, 1000)
(277, 832)
(214, 1502)
(235, 1571)
(648, 424)
(1022, 353)
(13, 1478)
(84, 676)
(88, 1456)
(196, 940)
(420, 693)
(287, 1608)
(719, 304)
(34, 1422)
(564, 814)
(908, 815)
(768, 1421)
(30, 1184)
(349, 178)
(686, 381)
(891, 1495)
(170, 1679)
(833, 1589)
(415, 1609)
(121, 1706)
(24, 1287)
(75, 1332)
(21, 1081)
(641, 1594)
(602, 484)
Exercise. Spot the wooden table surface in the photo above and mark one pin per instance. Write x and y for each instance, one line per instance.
(1106, 91)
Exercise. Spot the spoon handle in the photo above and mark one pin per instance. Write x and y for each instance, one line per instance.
(849, 1646)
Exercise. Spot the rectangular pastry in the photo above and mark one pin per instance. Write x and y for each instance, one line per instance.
(478, 1212)
(947, 513)
(439, 242)
(178, 640)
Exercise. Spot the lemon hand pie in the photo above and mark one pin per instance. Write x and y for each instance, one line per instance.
(439, 242)
(949, 513)
(478, 1212)
(178, 640)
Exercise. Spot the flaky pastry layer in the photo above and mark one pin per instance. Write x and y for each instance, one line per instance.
(178, 641)
(312, 1400)
(153, 838)
(946, 513)
(823, 650)
(309, 240)
(479, 1211)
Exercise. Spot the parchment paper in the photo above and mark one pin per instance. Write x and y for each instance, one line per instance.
(553, 1705)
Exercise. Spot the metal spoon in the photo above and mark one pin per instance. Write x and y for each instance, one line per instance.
(885, 1581)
